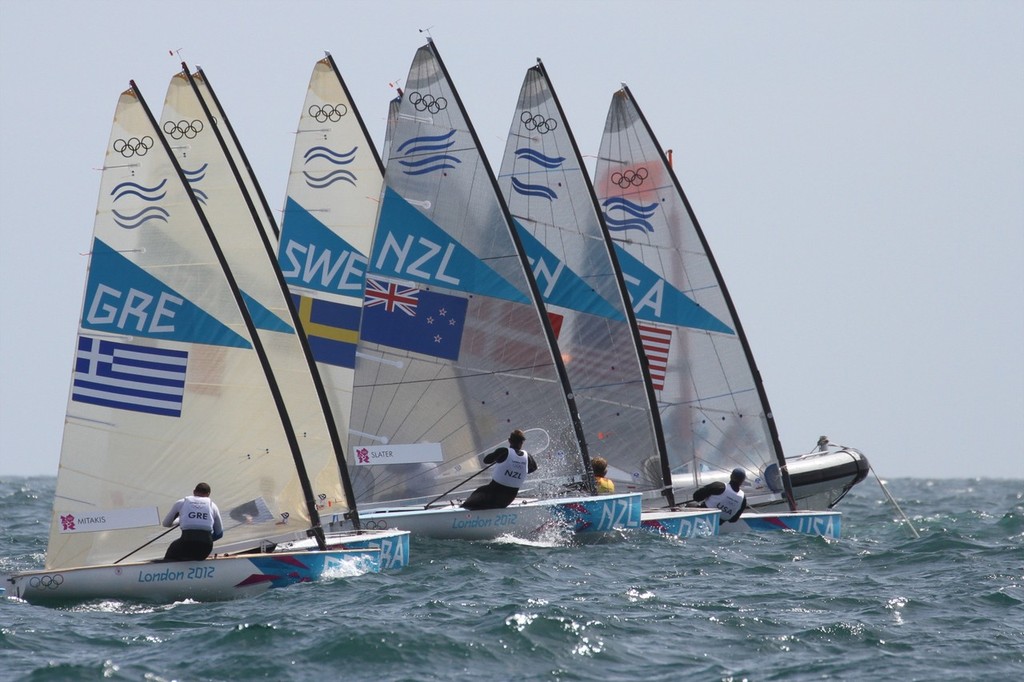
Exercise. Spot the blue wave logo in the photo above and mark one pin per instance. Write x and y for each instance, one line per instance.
(542, 191)
(126, 190)
(337, 158)
(194, 177)
(536, 157)
(322, 181)
(433, 161)
(130, 222)
(334, 158)
(634, 216)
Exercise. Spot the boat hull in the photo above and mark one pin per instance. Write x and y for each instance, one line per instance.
(221, 578)
(683, 523)
(820, 480)
(528, 519)
(827, 524)
(393, 544)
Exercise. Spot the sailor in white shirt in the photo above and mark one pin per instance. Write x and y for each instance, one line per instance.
(511, 466)
(200, 523)
(729, 498)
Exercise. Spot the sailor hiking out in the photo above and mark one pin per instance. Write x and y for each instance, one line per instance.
(511, 466)
(729, 498)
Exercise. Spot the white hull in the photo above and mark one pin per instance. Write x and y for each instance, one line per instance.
(394, 545)
(524, 519)
(681, 523)
(218, 579)
(821, 523)
(820, 480)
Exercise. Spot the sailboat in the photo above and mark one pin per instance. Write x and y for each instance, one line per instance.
(714, 411)
(223, 182)
(169, 372)
(556, 216)
(454, 349)
(332, 199)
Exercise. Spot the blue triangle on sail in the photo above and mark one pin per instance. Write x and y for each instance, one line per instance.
(314, 257)
(656, 300)
(263, 318)
(122, 298)
(560, 285)
(409, 246)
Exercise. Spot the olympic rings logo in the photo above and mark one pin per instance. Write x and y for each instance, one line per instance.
(133, 146)
(537, 122)
(374, 524)
(328, 112)
(47, 582)
(630, 177)
(182, 129)
(428, 102)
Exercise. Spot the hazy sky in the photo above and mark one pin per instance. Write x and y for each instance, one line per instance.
(858, 168)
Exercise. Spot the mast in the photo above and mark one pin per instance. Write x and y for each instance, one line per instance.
(316, 530)
(659, 434)
(241, 152)
(538, 300)
(355, 110)
(332, 428)
(759, 384)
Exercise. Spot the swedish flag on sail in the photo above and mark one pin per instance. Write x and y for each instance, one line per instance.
(332, 330)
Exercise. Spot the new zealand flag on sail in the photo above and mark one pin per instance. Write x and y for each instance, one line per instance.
(412, 319)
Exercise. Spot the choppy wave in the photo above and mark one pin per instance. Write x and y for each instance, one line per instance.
(878, 604)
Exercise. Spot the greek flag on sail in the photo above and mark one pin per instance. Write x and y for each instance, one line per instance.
(129, 377)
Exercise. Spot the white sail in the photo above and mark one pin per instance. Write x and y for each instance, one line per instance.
(393, 106)
(166, 380)
(555, 212)
(333, 194)
(215, 181)
(713, 409)
(247, 178)
(454, 352)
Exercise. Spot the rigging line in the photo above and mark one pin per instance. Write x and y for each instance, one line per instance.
(512, 371)
(894, 503)
(146, 544)
(174, 527)
(427, 506)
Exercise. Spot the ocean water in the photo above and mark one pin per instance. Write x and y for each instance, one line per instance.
(876, 605)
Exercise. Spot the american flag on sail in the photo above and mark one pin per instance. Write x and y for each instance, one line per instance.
(556, 322)
(656, 342)
(391, 295)
(129, 377)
